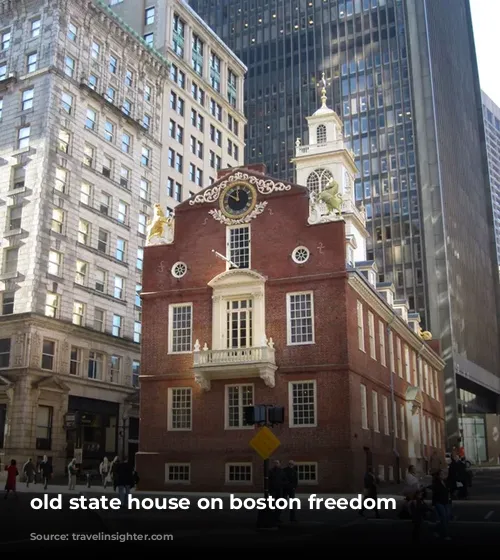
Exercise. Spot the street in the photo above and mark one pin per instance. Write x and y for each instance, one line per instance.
(476, 521)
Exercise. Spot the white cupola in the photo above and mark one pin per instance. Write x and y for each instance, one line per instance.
(324, 159)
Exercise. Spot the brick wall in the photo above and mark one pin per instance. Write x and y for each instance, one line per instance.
(333, 361)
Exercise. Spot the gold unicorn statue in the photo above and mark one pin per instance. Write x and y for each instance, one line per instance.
(331, 197)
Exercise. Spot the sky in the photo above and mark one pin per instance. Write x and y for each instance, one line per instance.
(486, 21)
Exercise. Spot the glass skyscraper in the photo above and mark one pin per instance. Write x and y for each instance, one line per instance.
(403, 77)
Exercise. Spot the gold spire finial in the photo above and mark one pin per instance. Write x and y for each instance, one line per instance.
(323, 90)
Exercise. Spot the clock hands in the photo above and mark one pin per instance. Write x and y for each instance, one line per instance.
(235, 198)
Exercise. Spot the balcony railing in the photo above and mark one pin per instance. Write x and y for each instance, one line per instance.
(234, 356)
(234, 363)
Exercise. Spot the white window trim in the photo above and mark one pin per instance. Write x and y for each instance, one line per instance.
(170, 326)
(289, 320)
(228, 245)
(309, 482)
(381, 342)
(385, 415)
(169, 409)
(371, 336)
(364, 409)
(375, 412)
(360, 324)
(237, 284)
(226, 406)
(239, 482)
(167, 467)
(290, 404)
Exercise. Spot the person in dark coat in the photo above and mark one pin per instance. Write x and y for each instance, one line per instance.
(418, 511)
(441, 500)
(291, 483)
(45, 471)
(277, 483)
(29, 471)
(125, 479)
(457, 477)
(370, 490)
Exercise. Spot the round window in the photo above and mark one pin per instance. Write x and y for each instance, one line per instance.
(300, 255)
(179, 269)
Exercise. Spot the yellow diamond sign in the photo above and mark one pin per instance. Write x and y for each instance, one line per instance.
(265, 443)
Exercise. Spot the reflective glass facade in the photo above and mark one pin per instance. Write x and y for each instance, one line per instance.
(362, 47)
(403, 77)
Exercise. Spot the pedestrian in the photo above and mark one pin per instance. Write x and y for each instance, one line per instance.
(441, 500)
(114, 465)
(291, 483)
(12, 474)
(370, 490)
(436, 463)
(45, 471)
(105, 472)
(418, 510)
(72, 472)
(276, 484)
(125, 478)
(29, 472)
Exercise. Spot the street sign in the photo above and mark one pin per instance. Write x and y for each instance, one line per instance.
(265, 443)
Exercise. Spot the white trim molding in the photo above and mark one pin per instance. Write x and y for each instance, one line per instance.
(289, 295)
(170, 426)
(223, 361)
(167, 473)
(291, 423)
(240, 426)
(239, 464)
(314, 464)
(397, 325)
(171, 308)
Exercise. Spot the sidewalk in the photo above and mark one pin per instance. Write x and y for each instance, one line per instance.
(83, 490)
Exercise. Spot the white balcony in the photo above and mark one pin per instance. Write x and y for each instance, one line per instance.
(234, 363)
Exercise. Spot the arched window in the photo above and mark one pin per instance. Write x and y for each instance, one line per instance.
(321, 134)
(318, 180)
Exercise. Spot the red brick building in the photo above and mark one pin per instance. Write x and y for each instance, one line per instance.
(259, 293)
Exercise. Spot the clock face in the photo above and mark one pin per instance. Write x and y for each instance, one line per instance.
(238, 200)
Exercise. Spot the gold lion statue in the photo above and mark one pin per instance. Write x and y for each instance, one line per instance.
(156, 226)
(425, 335)
(331, 197)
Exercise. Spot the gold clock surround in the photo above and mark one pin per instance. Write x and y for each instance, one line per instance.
(223, 200)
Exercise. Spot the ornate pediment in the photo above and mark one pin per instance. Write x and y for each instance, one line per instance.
(237, 277)
(51, 384)
(263, 186)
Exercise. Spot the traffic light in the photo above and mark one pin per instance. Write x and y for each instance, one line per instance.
(254, 414)
(276, 415)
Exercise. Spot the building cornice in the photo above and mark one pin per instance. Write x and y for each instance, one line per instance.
(314, 155)
(397, 325)
(67, 328)
(159, 63)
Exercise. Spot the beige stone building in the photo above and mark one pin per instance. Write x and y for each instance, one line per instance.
(80, 153)
(96, 125)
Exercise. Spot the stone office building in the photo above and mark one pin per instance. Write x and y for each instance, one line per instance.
(80, 146)
(276, 303)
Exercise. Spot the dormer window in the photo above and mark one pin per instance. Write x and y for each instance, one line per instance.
(321, 134)
(238, 246)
